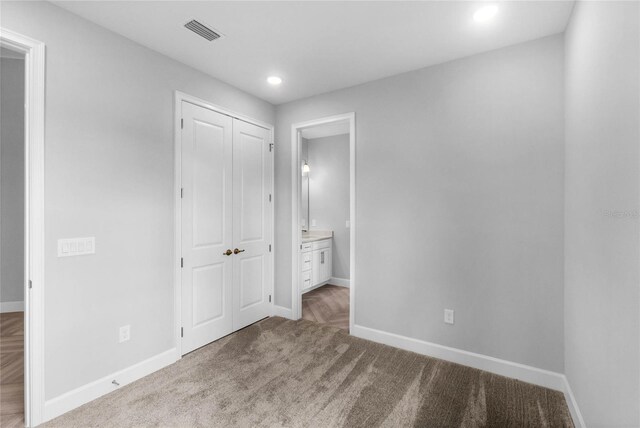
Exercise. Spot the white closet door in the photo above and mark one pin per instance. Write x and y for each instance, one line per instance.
(251, 223)
(207, 210)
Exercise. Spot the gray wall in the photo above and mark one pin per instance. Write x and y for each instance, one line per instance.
(460, 182)
(329, 195)
(602, 300)
(109, 174)
(11, 180)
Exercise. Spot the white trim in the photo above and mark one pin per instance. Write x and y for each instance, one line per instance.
(296, 232)
(79, 396)
(281, 311)
(177, 226)
(340, 282)
(6, 307)
(179, 97)
(576, 415)
(522, 372)
(534, 375)
(34, 52)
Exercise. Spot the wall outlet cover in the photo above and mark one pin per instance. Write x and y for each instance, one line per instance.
(125, 333)
(448, 316)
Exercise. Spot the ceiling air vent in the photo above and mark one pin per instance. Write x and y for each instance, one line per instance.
(202, 30)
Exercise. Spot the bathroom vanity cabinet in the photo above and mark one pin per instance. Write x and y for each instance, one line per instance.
(316, 263)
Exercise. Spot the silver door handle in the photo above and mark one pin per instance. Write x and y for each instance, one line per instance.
(322, 257)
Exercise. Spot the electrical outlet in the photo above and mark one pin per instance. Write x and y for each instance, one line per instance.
(448, 316)
(125, 333)
(313, 223)
(347, 224)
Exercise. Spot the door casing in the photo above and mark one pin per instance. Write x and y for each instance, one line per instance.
(296, 232)
(34, 52)
(179, 97)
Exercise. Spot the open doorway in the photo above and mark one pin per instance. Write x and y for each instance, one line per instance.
(324, 225)
(12, 235)
(21, 229)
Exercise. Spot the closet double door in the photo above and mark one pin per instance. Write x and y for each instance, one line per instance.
(226, 170)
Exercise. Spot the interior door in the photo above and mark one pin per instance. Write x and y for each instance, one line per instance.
(252, 168)
(207, 161)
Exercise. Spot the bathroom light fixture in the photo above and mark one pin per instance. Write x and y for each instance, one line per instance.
(305, 167)
(274, 80)
(485, 13)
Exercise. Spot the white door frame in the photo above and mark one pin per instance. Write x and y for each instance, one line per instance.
(34, 221)
(177, 274)
(296, 231)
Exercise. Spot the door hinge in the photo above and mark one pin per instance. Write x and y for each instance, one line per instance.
(181, 262)
(269, 197)
(301, 246)
(181, 123)
(269, 298)
(30, 284)
(270, 147)
(269, 247)
(181, 192)
(181, 331)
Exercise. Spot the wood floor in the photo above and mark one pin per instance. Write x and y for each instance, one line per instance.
(12, 369)
(328, 304)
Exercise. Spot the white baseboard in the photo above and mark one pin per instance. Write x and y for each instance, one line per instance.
(11, 307)
(534, 375)
(525, 373)
(578, 420)
(281, 311)
(341, 282)
(79, 396)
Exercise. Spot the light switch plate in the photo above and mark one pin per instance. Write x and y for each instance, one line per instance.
(448, 316)
(76, 246)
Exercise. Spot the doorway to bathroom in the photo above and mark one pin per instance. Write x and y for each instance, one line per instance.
(22, 61)
(323, 229)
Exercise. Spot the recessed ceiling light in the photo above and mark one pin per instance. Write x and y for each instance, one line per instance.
(274, 80)
(485, 13)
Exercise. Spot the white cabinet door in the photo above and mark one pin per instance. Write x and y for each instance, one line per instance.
(321, 270)
(206, 147)
(251, 223)
(316, 269)
(326, 265)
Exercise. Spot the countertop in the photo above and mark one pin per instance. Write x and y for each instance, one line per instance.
(316, 235)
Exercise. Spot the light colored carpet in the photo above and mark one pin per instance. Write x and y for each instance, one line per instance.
(301, 374)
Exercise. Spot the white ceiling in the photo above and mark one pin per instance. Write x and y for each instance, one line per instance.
(318, 47)
(326, 130)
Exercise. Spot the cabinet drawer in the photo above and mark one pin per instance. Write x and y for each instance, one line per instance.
(306, 280)
(318, 245)
(305, 262)
(307, 246)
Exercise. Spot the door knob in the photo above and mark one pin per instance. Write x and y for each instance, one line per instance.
(236, 251)
(227, 253)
